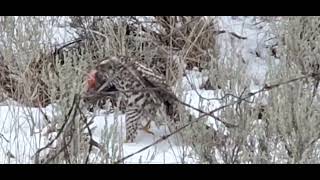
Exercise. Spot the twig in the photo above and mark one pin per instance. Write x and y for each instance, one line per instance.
(89, 131)
(2, 136)
(209, 99)
(66, 45)
(237, 36)
(61, 129)
(74, 103)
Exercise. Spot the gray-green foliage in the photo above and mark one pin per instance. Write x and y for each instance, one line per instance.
(293, 113)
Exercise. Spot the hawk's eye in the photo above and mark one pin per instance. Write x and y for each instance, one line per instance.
(107, 67)
(111, 67)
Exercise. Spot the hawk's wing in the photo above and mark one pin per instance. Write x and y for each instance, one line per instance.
(150, 75)
(147, 76)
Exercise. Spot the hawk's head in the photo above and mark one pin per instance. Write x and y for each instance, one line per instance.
(100, 75)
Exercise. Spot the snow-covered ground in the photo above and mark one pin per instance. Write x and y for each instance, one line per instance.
(19, 139)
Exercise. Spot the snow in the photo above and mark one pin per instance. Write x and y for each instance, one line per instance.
(20, 135)
(257, 41)
(16, 134)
